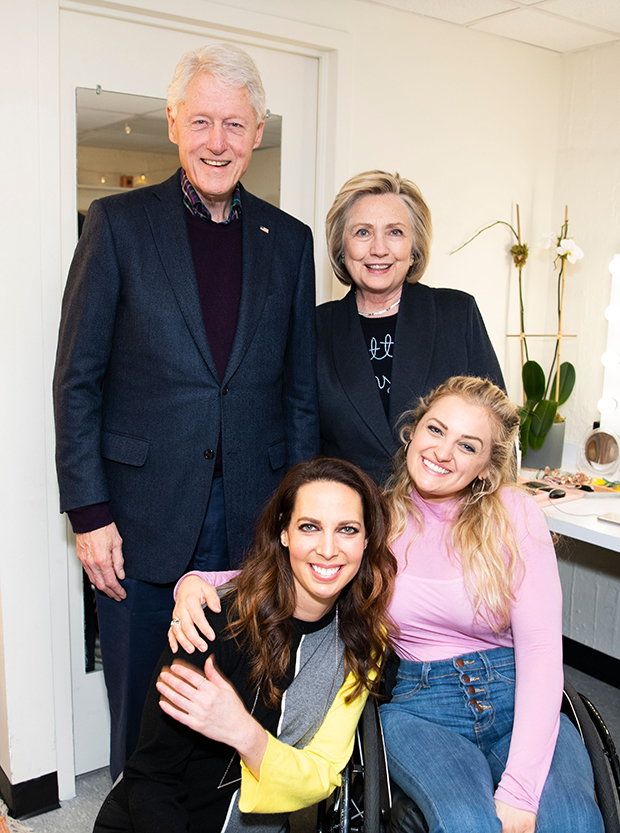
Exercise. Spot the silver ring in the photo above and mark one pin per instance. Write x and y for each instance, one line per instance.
(175, 621)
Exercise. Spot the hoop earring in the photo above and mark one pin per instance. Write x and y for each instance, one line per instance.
(406, 448)
(478, 488)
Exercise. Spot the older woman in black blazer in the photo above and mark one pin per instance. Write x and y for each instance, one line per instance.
(391, 339)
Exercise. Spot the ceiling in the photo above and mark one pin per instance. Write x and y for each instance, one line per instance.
(136, 122)
(559, 25)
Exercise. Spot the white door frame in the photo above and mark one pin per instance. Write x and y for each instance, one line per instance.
(331, 48)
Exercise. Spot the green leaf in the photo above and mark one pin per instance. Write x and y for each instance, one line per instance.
(524, 433)
(568, 376)
(533, 382)
(542, 419)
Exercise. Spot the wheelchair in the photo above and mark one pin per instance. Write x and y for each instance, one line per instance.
(366, 801)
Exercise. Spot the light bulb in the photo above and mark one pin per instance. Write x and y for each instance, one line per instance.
(606, 405)
(614, 266)
(127, 128)
(610, 359)
(103, 180)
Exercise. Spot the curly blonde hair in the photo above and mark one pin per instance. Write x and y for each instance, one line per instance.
(483, 533)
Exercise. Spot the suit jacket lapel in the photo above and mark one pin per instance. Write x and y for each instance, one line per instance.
(167, 222)
(355, 371)
(257, 257)
(414, 344)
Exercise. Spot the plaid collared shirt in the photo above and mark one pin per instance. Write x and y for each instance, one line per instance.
(194, 204)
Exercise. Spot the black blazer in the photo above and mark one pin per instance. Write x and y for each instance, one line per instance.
(439, 333)
(138, 402)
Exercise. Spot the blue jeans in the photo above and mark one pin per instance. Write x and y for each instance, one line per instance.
(447, 744)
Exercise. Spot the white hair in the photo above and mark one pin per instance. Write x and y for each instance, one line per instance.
(227, 63)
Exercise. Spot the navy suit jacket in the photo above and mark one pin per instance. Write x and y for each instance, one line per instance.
(139, 405)
(439, 333)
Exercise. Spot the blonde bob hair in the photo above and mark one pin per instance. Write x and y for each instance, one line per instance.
(379, 182)
(482, 534)
(228, 64)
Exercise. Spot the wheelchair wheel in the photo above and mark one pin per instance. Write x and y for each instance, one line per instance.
(602, 752)
(362, 803)
(377, 798)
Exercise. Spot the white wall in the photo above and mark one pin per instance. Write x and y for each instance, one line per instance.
(29, 298)
(588, 180)
(472, 118)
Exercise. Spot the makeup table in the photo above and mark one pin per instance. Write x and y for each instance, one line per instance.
(590, 575)
(577, 519)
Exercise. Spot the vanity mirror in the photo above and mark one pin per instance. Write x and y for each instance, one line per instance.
(599, 454)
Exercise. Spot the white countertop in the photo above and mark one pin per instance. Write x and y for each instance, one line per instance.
(577, 519)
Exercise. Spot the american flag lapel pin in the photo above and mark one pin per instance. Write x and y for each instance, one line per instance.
(265, 229)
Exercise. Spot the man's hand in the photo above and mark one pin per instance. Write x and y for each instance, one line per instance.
(211, 706)
(192, 593)
(101, 554)
(514, 820)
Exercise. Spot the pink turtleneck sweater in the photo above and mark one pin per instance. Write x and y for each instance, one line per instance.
(435, 617)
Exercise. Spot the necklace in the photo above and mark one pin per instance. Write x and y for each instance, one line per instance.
(234, 755)
(381, 311)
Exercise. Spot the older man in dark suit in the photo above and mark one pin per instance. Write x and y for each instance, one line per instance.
(185, 381)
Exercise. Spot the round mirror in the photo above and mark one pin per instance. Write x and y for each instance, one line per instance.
(599, 453)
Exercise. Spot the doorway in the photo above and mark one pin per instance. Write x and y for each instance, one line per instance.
(138, 60)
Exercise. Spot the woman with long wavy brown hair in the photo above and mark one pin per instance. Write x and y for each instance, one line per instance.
(267, 722)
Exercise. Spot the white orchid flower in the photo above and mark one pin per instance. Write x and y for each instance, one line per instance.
(570, 250)
(548, 240)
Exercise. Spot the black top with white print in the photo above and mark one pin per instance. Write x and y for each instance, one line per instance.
(379, 336)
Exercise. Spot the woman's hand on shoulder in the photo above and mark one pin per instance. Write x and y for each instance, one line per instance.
(514, 820)
(192, 594)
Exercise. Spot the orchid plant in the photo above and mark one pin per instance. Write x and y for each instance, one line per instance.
(543, 395)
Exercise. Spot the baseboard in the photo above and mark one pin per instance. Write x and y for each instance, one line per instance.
(30, 798)
(592, 662)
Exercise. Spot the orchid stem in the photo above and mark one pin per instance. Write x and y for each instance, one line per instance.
(521, 310)
(497, 222)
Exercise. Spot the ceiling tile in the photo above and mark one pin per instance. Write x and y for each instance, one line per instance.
(603, 13)
(539, 29)
(454, 11)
